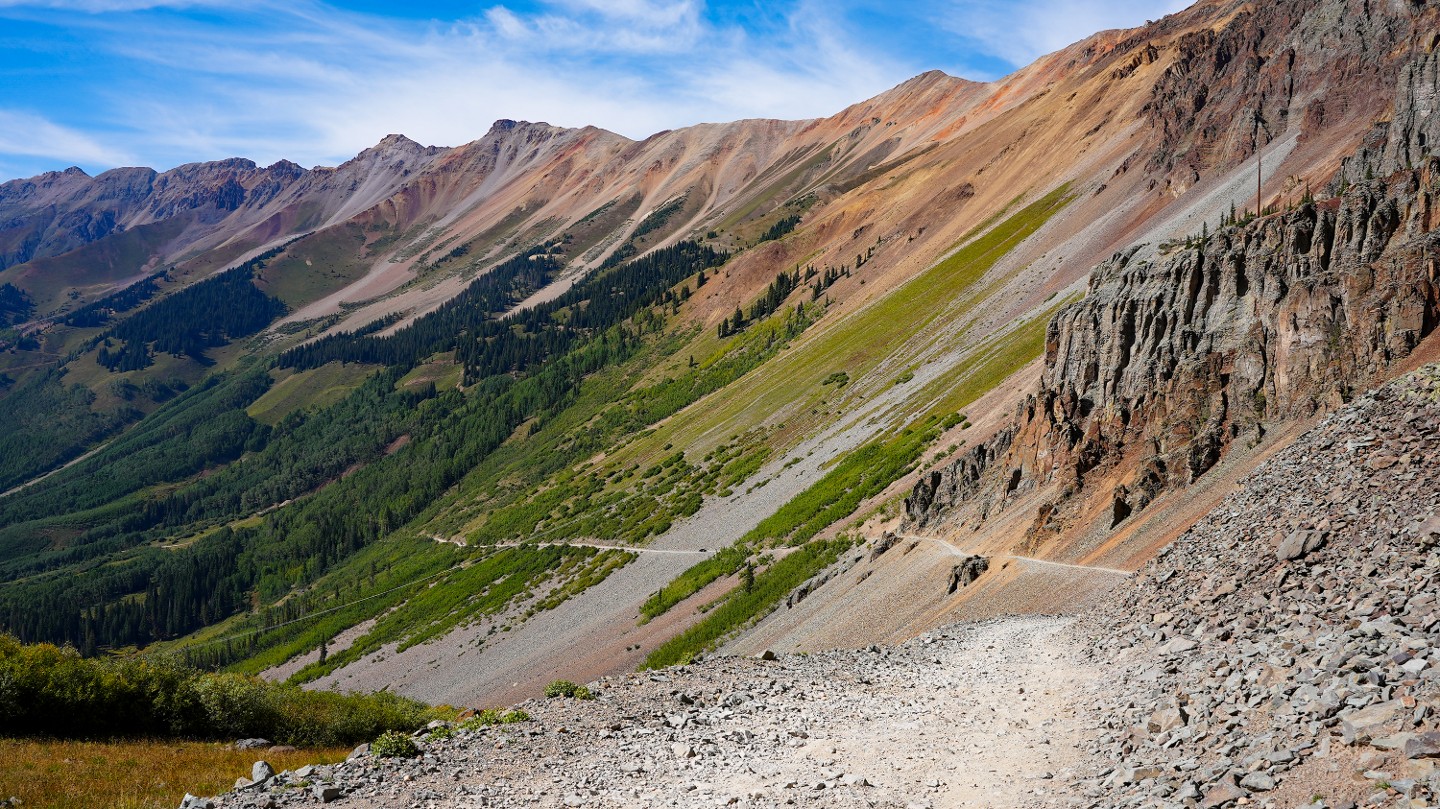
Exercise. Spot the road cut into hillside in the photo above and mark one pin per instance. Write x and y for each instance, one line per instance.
(989, 714)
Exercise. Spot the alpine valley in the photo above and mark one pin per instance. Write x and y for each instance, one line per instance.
(1105, 382)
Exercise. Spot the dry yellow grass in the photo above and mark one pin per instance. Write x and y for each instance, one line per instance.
(130, 774)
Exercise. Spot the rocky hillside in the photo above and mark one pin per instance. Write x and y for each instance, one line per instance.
(942, 721)
(1285, 651)
(1180, 352)
(723, 342)
(1287, 647)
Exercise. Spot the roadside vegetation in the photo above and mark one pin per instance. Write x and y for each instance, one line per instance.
(53, 692)
(745, 605)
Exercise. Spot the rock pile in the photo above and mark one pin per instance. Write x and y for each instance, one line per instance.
(1286, 650)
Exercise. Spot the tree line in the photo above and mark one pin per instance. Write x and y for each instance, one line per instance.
(111, 584)
(204, 315)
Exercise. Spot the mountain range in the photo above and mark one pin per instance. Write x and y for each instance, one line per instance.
(554, 403)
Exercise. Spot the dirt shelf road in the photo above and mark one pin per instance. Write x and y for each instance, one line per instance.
(978, 715)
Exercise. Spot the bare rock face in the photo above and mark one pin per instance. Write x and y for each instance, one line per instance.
(1264, 68)
(1168, 362)
(965, 573)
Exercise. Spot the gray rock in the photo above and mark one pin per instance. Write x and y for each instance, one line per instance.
(1422, 745)
(1299, 543)
(195, 802)
(1370, 722)
(261, 771)
(1427, 534)
(325, 793)
(965, 573)
(1167, 719)
(1258, 782)
(1178, 645)
(1222, 794)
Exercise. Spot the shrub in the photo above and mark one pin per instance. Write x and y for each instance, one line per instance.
(234, 704)
(49, 691)
(490, 717)
(440, 733)
(394, 744)
(565, 688)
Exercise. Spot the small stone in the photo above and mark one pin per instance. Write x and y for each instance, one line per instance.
(325, 793)
(261, 771)
(1422, 745)
(681, 750)
(768, 654)
(1299, 543)
(1223, 793)
(1258, 782)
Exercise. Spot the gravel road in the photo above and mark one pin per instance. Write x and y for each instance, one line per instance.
(975, 715)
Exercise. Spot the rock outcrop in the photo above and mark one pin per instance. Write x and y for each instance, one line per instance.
(1168, 361)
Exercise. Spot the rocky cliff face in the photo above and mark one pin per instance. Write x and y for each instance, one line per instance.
(1264, 68)
(1167, 362)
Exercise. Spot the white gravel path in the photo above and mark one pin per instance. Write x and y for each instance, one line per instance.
(990, 714)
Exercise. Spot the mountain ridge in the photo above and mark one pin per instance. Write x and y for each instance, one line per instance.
(869, 284)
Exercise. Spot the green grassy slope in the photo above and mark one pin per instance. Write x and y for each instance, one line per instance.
(267, 510)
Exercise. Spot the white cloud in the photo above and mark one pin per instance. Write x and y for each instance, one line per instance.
(316, 85)
(30, 135)
(1019, 31)
(620, 27)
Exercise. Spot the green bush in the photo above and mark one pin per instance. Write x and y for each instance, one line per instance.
(394, 744)
(49, 691)
(440, 733)
(234, 704)
(565, 688)
(490, 717)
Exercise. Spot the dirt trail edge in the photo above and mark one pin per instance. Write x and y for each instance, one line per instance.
(973, 715)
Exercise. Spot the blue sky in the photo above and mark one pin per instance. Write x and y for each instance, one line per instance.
(105, 83)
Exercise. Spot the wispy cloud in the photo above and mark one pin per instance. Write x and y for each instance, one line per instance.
(1019, 31)
(31, 135)
(107, 6)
